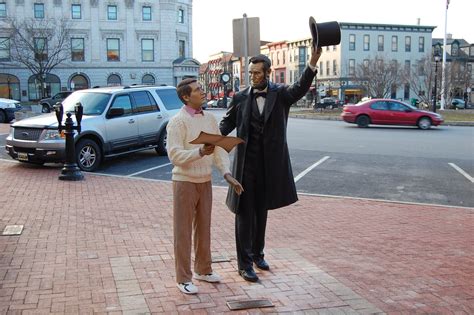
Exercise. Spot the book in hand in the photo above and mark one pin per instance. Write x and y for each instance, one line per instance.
(225, 142)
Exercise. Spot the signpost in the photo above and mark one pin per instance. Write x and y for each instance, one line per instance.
(246, 32)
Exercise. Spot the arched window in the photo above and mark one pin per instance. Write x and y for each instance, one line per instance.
(148, 79)
(9, 86)
(114, 80)
(39, 87)
(78, 82)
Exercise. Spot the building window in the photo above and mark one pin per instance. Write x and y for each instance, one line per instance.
(365, 68)
(407, 43)
(112, 12)
(146, 13)
(282, 77)
(4, 49)
(113, 49)
(366, 42)
(182, 48)
(393, 93)
(148, 79)
(455, 49)
(284, 57)
(334, 67)
(407, 66)
(76, 11)
(421, 68)
(406, 91)
(394, 43)
(352, 42)
(302, 55)
(380, 43)
(421, 44)
(39, 10)
(3, 9)
(351, 67)
(41, 49)
(77, 49)
(148, 50)
(114, 80)
(321, 69)
(181, 16)
(328, 69)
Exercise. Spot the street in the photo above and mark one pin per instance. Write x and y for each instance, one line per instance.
(338, 159)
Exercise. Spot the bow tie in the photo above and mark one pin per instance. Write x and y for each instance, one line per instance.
(260, 94)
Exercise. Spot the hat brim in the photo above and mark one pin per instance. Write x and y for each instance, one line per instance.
(314, 31)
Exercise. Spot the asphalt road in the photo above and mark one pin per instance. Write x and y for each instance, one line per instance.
(334, 158)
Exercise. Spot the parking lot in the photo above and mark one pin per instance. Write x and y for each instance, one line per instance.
(336, 159)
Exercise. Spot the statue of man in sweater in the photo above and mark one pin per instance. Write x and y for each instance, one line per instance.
(192, 188)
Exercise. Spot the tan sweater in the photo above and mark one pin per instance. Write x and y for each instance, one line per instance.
(189, 166)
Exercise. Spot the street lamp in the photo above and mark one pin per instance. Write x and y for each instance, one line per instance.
(70, 170)
(437, 58)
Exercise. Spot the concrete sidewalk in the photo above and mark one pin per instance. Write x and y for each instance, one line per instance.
(104, 245)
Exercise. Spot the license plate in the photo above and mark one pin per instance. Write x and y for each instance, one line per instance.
(22, 156)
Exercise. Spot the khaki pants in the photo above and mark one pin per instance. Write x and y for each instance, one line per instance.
(192, 205)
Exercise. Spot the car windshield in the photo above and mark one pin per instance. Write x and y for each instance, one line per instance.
(92, 102)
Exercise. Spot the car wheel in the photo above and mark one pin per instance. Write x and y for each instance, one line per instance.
(45, 108)
(88, 155)
(424, 123)
(161, 148)
(3, 117)
(363, 121)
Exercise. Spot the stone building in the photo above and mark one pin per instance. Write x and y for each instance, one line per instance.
(116, 42)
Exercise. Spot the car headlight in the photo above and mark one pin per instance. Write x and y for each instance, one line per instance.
(52, 134)
(11, 105)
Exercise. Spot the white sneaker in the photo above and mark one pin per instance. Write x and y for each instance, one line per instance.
(187, 288)
(210, 277)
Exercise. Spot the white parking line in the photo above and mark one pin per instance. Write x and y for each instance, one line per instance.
(306, 171)
(460, 170)
(147, 170)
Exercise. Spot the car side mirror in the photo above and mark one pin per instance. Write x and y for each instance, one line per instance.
(408, 110)
(115, 112)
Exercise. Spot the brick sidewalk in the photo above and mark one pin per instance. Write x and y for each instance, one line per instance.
(104, 245)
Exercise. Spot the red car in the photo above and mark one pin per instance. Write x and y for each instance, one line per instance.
(389, 112)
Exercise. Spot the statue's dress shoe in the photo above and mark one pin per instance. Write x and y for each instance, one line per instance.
(248, 274)
(262, 264)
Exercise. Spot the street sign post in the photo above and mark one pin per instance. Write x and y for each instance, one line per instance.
(246, 32)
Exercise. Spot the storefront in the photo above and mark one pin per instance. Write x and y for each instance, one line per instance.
(352, 93)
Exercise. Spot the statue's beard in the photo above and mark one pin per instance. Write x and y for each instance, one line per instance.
(262, 85)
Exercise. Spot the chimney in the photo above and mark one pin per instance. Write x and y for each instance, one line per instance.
(418, 21)
(449, 36)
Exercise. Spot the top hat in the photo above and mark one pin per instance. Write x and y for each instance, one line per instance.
(324, 34)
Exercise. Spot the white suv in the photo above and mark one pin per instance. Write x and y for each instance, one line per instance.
(116, 120)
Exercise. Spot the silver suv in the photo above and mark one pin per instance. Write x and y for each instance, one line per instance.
(117, 120)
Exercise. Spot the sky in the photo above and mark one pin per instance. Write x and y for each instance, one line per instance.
(288, 19)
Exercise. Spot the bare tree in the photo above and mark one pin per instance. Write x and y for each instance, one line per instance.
(379, 75)
(420, 77)
(458, 79)
(40, 45)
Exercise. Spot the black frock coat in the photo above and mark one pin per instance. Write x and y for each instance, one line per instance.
(280, 189)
